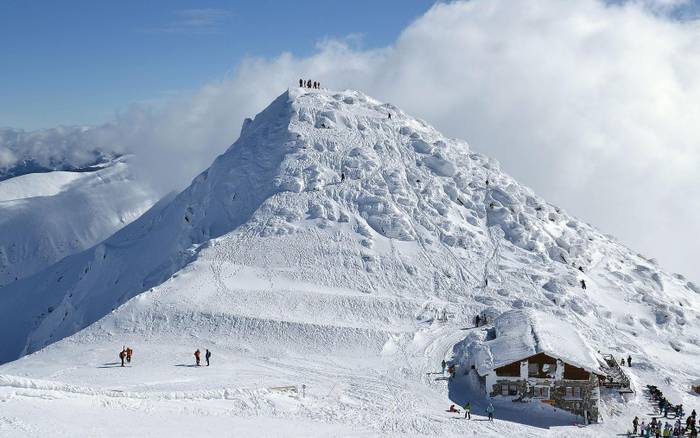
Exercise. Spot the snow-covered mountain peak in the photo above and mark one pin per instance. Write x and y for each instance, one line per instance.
(321, 247)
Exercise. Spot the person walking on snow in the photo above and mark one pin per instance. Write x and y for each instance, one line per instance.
(489, 410)
(468, 411)
(207, 356)
(197, 355)
(629, 360)
(443, 366)
(583, 284)
(635, 425)
(122, 355)
(129, 353)
(301, 83)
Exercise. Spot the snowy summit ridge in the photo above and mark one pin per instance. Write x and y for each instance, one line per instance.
(338, 227)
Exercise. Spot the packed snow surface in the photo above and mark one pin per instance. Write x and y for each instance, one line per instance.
(313, 258)
(47, 216)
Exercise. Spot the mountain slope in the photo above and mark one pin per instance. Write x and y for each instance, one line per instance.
(47, 216)
(319, 248)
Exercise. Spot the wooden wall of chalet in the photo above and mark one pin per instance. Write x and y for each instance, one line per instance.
(571, 372)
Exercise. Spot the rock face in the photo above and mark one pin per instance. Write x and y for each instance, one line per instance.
(324, 192)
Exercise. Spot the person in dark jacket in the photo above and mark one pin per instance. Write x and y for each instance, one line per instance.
(207, 356)
(122, 355)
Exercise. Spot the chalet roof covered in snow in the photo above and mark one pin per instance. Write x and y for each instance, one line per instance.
(520, 334)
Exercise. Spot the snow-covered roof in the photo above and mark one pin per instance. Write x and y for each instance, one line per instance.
(520, 334)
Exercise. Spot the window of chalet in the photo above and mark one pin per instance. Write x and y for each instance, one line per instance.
(573, 392)
(541, 366)
(541, 392)
(533, 369)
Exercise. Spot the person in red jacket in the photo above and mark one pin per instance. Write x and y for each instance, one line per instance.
(197, 355)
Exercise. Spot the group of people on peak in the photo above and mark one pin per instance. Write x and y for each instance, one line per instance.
(126, 354)
(659, 428)
(198, 356)
(309, 84)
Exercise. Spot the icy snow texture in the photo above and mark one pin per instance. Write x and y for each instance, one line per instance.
(303, 276)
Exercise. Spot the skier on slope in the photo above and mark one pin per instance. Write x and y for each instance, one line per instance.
(489, 410)
(197, 355)
(207, 356)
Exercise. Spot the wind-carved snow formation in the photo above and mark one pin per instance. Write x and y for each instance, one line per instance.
(338, 227)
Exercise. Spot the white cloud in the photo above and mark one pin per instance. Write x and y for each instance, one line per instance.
(194, 21)
(594, 106)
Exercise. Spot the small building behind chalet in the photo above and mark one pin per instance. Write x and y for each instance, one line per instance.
(532, 356)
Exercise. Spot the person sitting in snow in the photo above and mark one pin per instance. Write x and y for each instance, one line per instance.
(453, 409)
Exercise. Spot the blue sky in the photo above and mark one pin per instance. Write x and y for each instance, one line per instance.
(78, 62)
